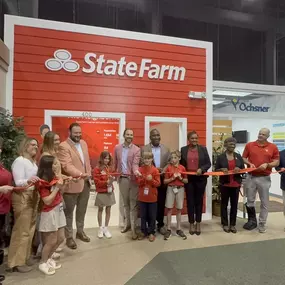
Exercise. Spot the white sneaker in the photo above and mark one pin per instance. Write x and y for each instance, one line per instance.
(53, 264)
(101, 232)
(107, 234)
(46, 268)
(55, 256)
(59, 249)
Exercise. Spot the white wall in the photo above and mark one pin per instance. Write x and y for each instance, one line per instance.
(253, 126)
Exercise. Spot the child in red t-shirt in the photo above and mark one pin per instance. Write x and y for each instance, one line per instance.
(148, 180)
(52, 218)
(175, 192)
(105, 191)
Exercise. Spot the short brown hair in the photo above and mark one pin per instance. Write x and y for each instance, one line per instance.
(127, 129)
(230, 140)
(147, 154)
(177, 153)
(190, 134)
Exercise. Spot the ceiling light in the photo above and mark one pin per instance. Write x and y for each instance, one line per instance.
(231, 93)
(216, 102)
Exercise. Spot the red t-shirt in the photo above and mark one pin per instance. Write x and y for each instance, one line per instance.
(148, 189)
(258, 154)
(5, 199)
(192, 159)
(169, 172)
(100, 177)
(233, 183)
(45, 191)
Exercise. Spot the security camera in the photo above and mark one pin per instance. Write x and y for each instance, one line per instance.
(197, 95)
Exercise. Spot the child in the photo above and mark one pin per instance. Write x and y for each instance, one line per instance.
(175, 192)
(105, 191)
(148, 180)
(52, 218)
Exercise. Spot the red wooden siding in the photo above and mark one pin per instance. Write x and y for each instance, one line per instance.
(37, 89)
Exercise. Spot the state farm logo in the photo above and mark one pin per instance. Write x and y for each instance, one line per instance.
(97, 63)
(62, 60)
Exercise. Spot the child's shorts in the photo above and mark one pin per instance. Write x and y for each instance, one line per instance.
(53, 220)
(174, 194)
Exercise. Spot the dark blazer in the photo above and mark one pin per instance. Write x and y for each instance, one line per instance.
(281, 165)
(204, 159)
(222, 162)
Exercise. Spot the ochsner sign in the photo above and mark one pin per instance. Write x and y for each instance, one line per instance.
(101, 65)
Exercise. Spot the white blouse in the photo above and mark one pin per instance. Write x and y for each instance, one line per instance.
(23, 169)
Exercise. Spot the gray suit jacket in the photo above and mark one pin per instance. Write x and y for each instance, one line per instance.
(164, 154)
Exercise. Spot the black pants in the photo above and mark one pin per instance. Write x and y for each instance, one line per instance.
(232, 194)
(148, 215)
(2, 229)
(195, 190)
(161, 197)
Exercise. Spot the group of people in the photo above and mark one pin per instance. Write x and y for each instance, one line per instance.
(55, 178)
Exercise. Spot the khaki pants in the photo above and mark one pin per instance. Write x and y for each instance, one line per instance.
(25, 207)
(260, 184)
(80, 200)
(129, 192)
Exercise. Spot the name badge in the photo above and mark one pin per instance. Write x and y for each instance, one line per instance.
(175, 190)
(110, 189)
(145, 191)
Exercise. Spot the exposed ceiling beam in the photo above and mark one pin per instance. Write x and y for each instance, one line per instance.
(187, 10)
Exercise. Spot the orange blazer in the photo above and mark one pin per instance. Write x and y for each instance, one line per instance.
(72, 165)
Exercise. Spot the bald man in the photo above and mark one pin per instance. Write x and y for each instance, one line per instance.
(262, 155)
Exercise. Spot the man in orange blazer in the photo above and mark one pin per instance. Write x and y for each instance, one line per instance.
(74, 158)
(126, 162)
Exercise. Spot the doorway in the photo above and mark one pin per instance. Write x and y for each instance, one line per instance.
(101, 131)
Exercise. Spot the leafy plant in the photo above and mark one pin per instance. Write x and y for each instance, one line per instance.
(12, 132)
(217, 150)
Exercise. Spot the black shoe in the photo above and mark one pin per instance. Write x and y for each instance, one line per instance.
(167, 235)
(192, 229)
(226, 229)
(252, 221)
(233, 229)
(181, 234)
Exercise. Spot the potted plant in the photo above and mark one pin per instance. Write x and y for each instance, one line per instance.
(12, 132)
(218, 148)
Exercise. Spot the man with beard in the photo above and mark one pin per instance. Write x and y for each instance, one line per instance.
(74, 158)
(161, 155)
(126, 162)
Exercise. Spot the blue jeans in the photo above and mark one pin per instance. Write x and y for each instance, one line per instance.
(148, 217)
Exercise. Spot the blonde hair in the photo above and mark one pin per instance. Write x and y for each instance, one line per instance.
(177, 153)
(24, 145)
(147, 155)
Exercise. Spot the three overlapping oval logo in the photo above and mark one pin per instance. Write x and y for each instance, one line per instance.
(62, 59)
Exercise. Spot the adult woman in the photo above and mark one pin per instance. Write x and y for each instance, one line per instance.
(25, 205)
(5, 196)
(195, 158)
(229, 184)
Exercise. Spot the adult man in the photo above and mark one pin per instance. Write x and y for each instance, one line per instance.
(75, 162)
(126, 162)
(262, 155)
(161, 155)
(43, 130)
